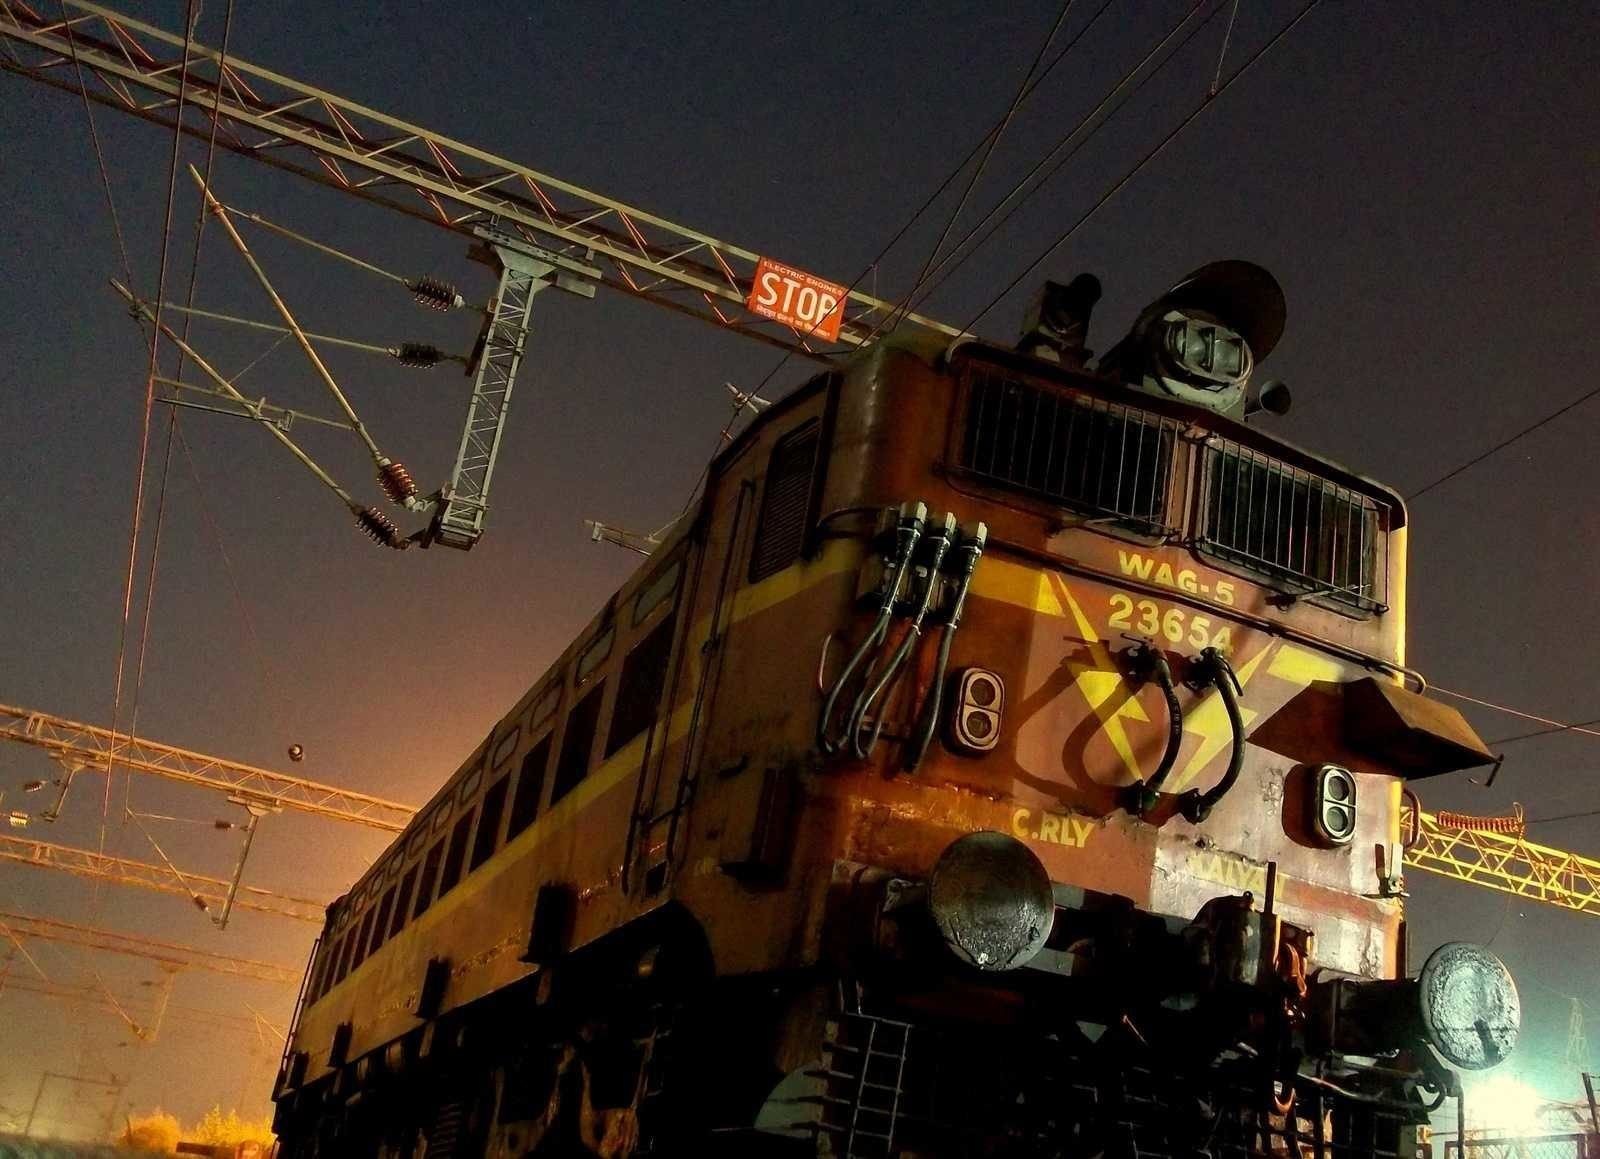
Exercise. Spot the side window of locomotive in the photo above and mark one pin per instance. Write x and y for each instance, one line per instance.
(545, 707)
(418, 838)
(656, 590)
(578, 743)
(380, 927)
(402, 904)
(785, 502)
(455, 854)
(644, 674)
(530, 787)
(468, 789)
(344, 954)
(505, 748)
(1069, 449)
(494, 806)
(594, 655)
(1307, 534)
(430, 875)
(363, 936)
(337, 965)
(319, 974)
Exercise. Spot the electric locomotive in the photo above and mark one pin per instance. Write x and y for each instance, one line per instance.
(1005, 757)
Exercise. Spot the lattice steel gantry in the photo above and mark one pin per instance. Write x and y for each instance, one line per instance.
(1507, 862)
(91, 748)
(211, 891)
(25, 926)
(539, 230)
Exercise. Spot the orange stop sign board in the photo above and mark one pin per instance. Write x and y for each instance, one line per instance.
(796, 298)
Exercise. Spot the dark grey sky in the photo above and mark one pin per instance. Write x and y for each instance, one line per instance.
(1421, 178)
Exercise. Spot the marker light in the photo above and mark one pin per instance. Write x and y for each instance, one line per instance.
(975, 711)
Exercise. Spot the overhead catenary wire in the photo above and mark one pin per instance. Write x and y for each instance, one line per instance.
(1581, 726)
(928, 202)
(99, 153)
(232, 392)
(172, 412)
(1586, 813)
(431, 292)
(200, 902)
(977, 170)
(1020, 193)
(1555, 725)
(280, 416)
(1462, 468)
(144, 438)
(1148, 156)
(305, 344)
(397, 351)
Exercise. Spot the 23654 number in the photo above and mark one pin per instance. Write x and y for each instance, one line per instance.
(1177, 625)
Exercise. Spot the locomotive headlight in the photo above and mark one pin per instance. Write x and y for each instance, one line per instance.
(1205, 350)
(990, 897)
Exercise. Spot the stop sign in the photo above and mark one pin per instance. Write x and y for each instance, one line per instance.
(796, 298)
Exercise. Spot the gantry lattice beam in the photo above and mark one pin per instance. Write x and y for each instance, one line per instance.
(26, 927)
(138, 68)
(90, 747)
(1505, 862)
(96, 998)
(213, 891)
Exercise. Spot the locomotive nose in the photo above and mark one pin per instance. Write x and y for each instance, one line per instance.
(991, 900)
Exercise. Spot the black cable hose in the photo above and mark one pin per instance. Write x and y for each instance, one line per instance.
(825, 742)
(970, 551)
(1195, 805)
(1141, 796)
(928, 718)
(941, 544)
(907, 535)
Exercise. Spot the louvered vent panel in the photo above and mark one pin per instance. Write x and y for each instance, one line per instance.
(780, 533)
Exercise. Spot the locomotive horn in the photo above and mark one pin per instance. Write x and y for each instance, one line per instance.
(1057, 324)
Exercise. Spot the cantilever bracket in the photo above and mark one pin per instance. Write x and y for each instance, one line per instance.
(525, 269)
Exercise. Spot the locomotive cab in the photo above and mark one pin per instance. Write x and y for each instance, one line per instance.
(1170, 696)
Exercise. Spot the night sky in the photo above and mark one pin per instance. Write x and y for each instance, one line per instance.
(1422, 178)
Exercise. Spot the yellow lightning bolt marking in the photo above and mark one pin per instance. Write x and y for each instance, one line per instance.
(1209, 721)
(1099, 680)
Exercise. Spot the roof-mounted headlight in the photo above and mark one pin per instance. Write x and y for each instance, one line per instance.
(1205, 351)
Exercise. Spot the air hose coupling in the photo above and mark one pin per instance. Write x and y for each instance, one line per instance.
(1213, 668)
(1146, 662)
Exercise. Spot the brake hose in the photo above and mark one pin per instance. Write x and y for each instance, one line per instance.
(1195, 805)
(967, 556)
(908, 531)
(939, 543)
(1141, 796)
